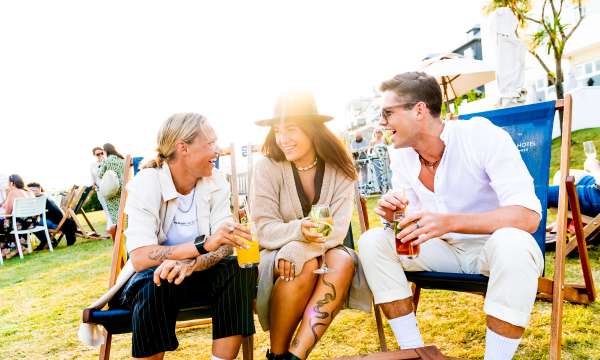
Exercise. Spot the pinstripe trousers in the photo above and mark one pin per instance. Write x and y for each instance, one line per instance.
(227, 288)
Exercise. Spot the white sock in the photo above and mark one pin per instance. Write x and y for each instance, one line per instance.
(213, 357)
(498, 347)
(407, 331)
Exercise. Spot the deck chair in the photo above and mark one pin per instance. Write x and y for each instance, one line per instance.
(530, 126)
(118, 321)
(72, 205)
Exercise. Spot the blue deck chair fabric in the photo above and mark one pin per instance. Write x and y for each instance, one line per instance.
(118, 321)
(530, 127)
(136, 164)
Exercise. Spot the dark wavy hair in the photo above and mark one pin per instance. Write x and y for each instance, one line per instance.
(110, 149)
(327, 146)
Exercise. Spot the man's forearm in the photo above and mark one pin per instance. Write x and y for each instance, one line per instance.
(153, 255)
(488, 222)
(209, 260)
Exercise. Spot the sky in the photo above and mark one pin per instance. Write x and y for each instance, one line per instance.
(78, 74)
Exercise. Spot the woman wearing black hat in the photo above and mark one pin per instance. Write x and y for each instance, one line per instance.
(305, 164)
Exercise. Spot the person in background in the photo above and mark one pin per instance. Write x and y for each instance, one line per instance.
(588, 192)
(53, 217)
(16, 190)
(359, 149)
(115, 162)
(378, 138)
(94, 168)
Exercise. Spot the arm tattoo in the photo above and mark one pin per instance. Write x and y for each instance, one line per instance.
(161, 254)
(212, 258)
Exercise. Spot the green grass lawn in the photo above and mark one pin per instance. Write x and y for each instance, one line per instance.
(43, 295)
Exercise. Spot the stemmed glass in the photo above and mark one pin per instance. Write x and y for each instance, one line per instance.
(589, 149)
(321, 215)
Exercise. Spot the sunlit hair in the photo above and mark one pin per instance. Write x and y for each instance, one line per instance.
(109, 149)
(181, 126)
(327, 146)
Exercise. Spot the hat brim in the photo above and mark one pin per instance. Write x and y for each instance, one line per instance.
(317, 118)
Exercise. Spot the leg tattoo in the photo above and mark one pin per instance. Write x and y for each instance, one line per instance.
(318, 314)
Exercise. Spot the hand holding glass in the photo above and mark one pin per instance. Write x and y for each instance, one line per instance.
(321, 215)
(249, 257)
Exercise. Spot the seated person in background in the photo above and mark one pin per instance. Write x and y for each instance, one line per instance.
(53, 217)
(471, 208)
(179, 236)
(16, 190)
(587, 187)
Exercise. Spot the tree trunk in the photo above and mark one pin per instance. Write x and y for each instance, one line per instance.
(560, 93)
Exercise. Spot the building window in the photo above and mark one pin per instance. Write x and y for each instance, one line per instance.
(588, 74)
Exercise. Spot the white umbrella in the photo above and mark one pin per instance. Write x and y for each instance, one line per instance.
(510, 54)
(458, 75)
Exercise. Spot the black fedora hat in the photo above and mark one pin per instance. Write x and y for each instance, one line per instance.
(295, 105)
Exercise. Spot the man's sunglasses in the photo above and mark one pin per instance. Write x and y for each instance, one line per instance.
(388, 111)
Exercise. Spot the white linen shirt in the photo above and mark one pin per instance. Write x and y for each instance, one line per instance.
(480, 170)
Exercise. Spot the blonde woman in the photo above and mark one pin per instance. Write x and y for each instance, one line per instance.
(179, 236)
(305, 164)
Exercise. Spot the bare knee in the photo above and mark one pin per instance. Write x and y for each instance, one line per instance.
(340, 260)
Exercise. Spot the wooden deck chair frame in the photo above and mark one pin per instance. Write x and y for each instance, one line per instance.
(65, 205)
(73, 206)
(555, 289)
(119, 257)
(585, 226)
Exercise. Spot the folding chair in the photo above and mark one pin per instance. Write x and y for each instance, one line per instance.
(71, 205)
(530, 126)
(24, 208)
(118, 321)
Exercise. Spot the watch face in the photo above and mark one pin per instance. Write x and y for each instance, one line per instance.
(200, 240)
(199, 243)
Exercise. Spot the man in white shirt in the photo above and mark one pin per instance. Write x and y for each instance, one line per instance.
(470, 205)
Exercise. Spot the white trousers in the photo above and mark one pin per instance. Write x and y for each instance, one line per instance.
(105, 209)
(509, 257)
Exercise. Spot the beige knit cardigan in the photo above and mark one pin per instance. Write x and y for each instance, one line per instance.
(276, 211)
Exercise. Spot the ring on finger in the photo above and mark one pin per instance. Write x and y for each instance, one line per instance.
(417, 224)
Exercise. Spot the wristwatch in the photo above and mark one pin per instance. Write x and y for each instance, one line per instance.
(199, 244)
